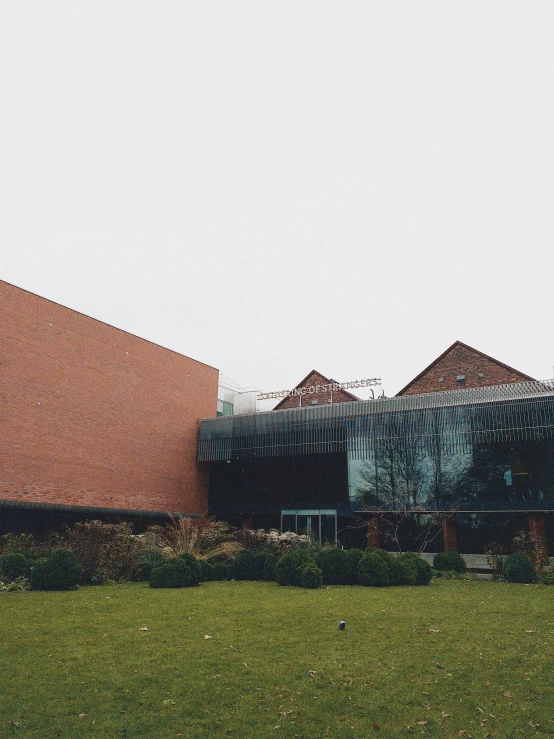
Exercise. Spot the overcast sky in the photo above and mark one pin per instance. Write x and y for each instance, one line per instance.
(275, 187)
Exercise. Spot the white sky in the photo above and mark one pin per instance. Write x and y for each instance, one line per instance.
(275, 187)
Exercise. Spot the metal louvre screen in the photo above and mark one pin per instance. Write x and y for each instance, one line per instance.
(455, 420)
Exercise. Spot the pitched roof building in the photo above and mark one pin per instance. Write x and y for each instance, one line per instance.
(459, 367)
(316, 393)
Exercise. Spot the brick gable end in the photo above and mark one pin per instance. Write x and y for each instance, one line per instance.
(461, 361)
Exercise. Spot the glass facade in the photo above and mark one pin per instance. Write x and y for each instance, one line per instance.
(319, 524)
(402, 476)
(476, 450)
(224, 408)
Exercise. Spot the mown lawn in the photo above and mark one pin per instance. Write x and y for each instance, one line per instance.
(457, 658)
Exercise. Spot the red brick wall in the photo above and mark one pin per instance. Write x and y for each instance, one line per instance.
(91, 415)
(314, 379)
(462, 360)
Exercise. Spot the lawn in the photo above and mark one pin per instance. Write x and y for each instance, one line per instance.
(457, 658)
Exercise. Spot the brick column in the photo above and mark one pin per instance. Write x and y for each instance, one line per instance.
(449, 538)
(537, 529)
(373, 538)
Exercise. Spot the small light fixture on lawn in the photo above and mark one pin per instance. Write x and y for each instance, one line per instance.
(342, 625)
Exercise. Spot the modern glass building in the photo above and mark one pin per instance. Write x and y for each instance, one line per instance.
(483, 457)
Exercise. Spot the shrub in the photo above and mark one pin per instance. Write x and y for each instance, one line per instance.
(203, 537)
(532, 547)
(14, 565)
(288, 570)
(254, 565)
(352, 560)
(424, 571)
(25, 552)
(60, 572)
(246, 566)
(194, 566)
(175, 573)
(451, 561)
(332, 563)
(311, 577)
(16, 542)
(216, 568)
(266, 563)
(495, 557)
(222, 570)
(547, 577)
(402, 571)
(518, 568)
(373, 570)
(206, 570)
(339, 566)
(146, 562)
(105, 551)
(20, 583)
(212, 571)
(275, 541)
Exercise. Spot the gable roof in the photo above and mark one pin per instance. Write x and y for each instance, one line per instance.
(471, 349)
(302, 384)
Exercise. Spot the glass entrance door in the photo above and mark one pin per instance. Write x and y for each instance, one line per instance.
(320, 525)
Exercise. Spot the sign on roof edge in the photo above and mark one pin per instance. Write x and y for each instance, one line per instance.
(327, 387)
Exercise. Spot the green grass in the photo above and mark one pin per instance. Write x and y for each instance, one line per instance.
(462, 656)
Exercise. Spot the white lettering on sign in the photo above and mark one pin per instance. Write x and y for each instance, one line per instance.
(328, 387)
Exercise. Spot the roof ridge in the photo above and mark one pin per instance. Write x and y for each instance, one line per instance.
(472, 349)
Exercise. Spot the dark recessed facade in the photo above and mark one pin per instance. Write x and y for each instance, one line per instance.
(476, 455)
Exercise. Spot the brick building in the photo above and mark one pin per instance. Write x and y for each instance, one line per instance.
(469, 441)
(96, 422)
(459, 367)
(318, 391)
(93, 418)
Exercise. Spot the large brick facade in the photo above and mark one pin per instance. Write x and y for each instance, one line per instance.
(460, 367)
(314, 380)
(94, 416)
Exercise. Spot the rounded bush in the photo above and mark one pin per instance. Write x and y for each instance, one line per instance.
(217, 568)
(270, 572)
(172, 574)
(14, 565)
(265, 565)
(245, 566)
(373, 570)
(60, 572)
(401, 571)
(393, 566)
(518, 568)
(288, 569)
(147, 561)
(424, 571)
(222, 570)
(206, 570)
(332, 563)
(311, 577)
(352, 560)
(451, 561)
(339, 566)
(25, 552)
(194, 566)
